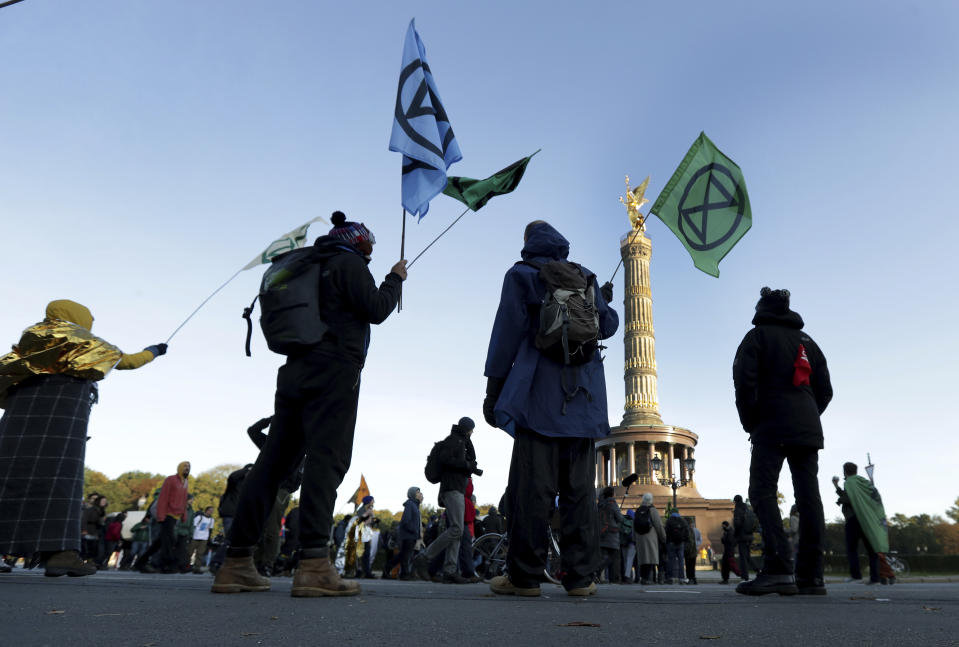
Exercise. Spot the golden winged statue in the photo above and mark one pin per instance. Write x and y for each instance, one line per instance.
(634, 201)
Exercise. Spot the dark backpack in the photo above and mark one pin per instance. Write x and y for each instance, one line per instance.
(643, 521)
(291, 316)
(568, 329)
(434, 463)
(675, 531)
(626, 530)
(750, 522)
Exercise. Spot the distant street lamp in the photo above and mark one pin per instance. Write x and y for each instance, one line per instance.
(656, 464)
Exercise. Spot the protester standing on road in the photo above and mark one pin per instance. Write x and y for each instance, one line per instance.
(865, 520)
(408, 534)
(610, 521)
(47, 399)
(315, 413)
(729, 552)
(744, 525)
(554, 408)
(457, 461)
(648, 528)
(227, 510)
(677, 532)
(782, 388)
(202, 528)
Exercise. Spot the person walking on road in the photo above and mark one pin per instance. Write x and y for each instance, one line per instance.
(551, 398)
(648, 528)
(744, 525)
(171, 508)
(610, 521)
(782, 388)
(457, 459)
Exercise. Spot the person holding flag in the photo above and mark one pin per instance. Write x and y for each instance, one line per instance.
(315, 413)
(865, 520)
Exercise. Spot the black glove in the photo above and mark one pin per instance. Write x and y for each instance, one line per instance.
(607, 291)
(494, 385)
(157, 350)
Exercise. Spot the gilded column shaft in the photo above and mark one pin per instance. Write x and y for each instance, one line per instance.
(642, 399)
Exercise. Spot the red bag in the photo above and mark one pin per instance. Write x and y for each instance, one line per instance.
(802, 368)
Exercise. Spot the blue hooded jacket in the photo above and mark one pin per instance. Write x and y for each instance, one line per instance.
(532, 396)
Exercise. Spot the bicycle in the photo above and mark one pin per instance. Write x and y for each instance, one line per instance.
(493, 546)
(898, 565)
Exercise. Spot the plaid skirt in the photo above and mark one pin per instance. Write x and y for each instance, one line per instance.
(43, 436)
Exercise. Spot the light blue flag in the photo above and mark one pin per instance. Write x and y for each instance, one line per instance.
(421, 130)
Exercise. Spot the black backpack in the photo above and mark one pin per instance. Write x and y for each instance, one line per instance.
(750, 522)
(434, 463)
(568, 329)
(291, 316)
(675, 531)
(643, 521)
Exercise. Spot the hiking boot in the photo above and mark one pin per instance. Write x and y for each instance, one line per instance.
(68, 562)
(437, 578)
(238, 575)
(765, 584)
(501, 585)
(454, 578)
(421, 567)
(316, 578)
(582, 591)
(811, 587)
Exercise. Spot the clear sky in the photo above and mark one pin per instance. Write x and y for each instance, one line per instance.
(148, 150)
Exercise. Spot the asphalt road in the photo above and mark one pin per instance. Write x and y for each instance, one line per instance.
(120, 609)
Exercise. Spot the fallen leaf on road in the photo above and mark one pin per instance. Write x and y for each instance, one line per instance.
(932, 608)
(54, 612)
(579, 624)
(274, 617)
(710, 637)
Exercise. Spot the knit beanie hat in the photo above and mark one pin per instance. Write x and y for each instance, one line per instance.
(351, 232)
(466, 423)
(367, 499)
(774, 301)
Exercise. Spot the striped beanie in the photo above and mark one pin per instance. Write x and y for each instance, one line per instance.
(351, 232)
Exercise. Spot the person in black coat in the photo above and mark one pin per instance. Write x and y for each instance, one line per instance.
(782, 387)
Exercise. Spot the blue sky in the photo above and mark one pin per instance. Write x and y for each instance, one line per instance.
(149, 150)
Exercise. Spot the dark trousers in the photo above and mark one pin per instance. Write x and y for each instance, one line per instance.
(691, 568)
(465, 557)
(611, 564)
(164, 544)
(764, 469)
(366, 561)
(217, 559)
(647, 573)
(724, 563)
(745, 561)
(402, 558)
(540, 468)
(853, 535)
(674, 561)
(315, 413)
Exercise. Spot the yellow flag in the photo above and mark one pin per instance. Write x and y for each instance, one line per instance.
(362, 491)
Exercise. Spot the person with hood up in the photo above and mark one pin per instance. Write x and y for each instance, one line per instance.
(317, 394)
(865, 520)
(408, 534)
(610, 521)
(457, 463)
(554, 413)
(47, 388)
(782, 388)
(171, 509)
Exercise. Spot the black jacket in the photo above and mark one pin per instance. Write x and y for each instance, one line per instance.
(231, 496)
(350, 300)
(458, 461)
(771, 409)
(739, 523)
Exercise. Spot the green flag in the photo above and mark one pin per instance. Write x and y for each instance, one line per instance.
(867, 504)
(476, 193)
(705, 204)
(287, 242)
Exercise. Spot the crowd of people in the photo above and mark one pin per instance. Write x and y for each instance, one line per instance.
(545, 388)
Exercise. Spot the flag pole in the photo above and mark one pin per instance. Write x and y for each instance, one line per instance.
(203, 304)
(399, 301)
(631, 239)
(437, 238)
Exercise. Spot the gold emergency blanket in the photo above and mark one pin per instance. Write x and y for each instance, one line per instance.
(54, 346)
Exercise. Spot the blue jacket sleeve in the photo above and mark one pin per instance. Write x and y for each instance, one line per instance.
(510, 326)
(608, 319)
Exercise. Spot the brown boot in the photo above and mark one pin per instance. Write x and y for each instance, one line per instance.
(316, 578)
(68, 562)
(238, 575)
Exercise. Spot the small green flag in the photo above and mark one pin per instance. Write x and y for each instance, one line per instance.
(476, 193)
(705, 204)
